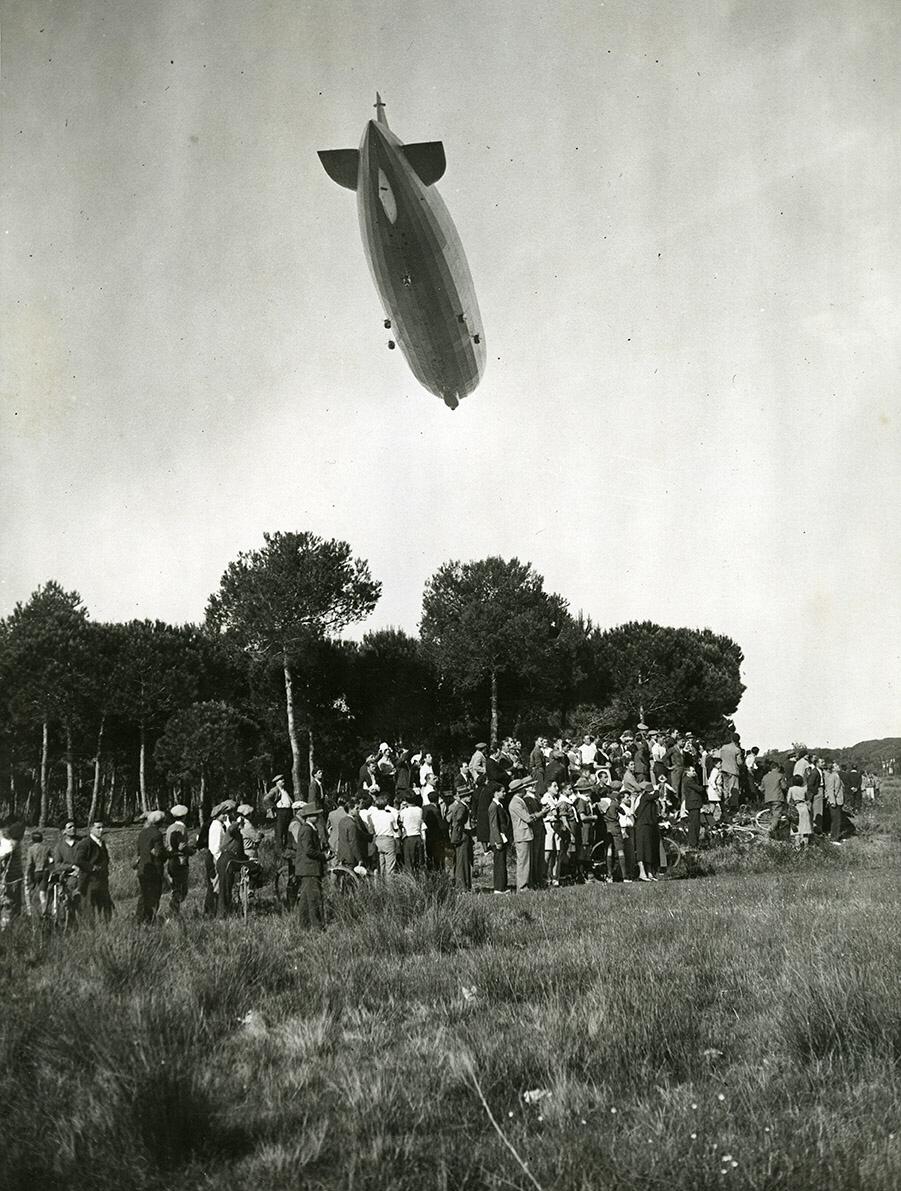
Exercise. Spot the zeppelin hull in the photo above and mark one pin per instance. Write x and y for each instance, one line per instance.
(419, 268)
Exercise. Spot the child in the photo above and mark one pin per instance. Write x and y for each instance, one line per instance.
(797, 796)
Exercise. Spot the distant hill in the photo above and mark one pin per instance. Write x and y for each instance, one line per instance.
(866, 752)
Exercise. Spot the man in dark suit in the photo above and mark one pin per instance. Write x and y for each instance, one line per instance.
(694, 799)
(151, 855)
(309, 866)
(500, 832)
(557, 769)
(460, 830)
(434, 816)
(315, 791)
(92, 858)
(347, 848)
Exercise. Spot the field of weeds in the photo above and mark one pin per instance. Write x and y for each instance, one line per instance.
(739, 1030)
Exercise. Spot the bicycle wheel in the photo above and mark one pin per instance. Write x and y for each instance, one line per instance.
(285, 892)
(674, 852)
(345, 879)
(764, 819)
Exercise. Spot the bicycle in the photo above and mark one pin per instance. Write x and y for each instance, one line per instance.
(674, 840)
(245, 884)
(343, 880)
(61, 902)
(763, 820)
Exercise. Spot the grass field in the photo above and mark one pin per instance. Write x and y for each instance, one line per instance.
(740, 1030)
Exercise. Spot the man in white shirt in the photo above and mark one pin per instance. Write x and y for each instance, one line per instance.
(215, 839)
(221, 814)
(382, 821)
(588, 751)
(412, 834)
(801, 765)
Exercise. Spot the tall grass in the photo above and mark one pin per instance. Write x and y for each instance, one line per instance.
(752, 1014)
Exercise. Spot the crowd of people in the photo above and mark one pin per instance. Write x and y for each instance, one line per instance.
(564, 811)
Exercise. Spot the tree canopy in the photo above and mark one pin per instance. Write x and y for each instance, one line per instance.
(283, 601)
(489, 618)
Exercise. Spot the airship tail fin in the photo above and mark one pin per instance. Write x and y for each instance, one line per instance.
(341, 165)
(427, 159)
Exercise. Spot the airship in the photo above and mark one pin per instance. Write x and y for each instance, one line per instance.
(415, 256)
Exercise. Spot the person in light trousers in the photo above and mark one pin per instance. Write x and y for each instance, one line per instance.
(522, 819)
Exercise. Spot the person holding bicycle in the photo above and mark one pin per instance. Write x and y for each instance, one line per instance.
(231, 857)
(63, 857)
(251, 837)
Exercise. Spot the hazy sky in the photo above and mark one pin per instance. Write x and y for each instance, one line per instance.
(682, 224)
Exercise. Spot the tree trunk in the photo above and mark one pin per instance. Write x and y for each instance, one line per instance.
(112, 793)
(70, 775)
(292, 730)
(95, 793)
(312, 753)
(202, 812)
(142, 775)
(42, 818)
(493, 736)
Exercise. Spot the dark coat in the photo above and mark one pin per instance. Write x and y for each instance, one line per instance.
(646, 812)
(348, 850)
(693, 794)
(151, 848)
(309, 858)
(496, 774)
(483, 800)
(499, 824)
(458, 822)
(436, 829)
(315, 793)
(93, 864)
(556, 771)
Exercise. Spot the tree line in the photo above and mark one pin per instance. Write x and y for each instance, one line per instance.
(108, 719)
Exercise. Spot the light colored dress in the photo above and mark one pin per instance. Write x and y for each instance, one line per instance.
(798, 795)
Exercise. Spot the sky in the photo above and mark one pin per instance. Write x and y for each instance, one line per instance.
(682, 223)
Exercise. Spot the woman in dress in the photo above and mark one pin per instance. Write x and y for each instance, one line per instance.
(647, 844)
(797, 796)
